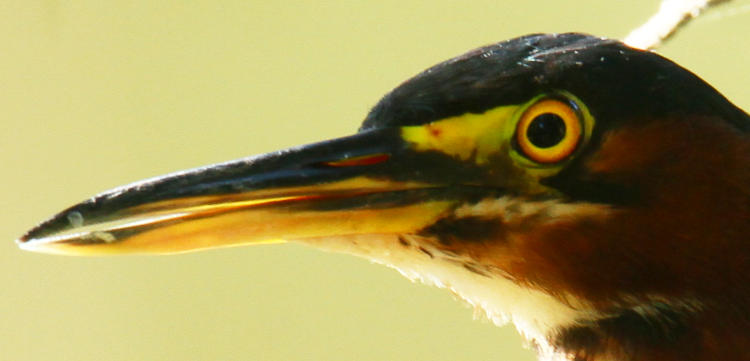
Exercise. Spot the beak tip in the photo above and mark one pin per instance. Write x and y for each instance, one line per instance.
(27, 243)
(33, 234)
(31, 240)
(37, 246)
(29, 236)
(24, 244)
(41, 234)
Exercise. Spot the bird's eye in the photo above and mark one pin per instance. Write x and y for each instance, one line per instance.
(549, 131)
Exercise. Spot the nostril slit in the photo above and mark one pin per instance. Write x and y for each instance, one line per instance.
(357, 161)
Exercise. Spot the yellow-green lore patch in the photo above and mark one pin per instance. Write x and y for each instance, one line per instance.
(467, 137)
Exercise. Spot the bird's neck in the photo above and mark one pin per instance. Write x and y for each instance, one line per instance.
(660, 333)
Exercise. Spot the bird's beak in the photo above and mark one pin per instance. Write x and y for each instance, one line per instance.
(368, 183)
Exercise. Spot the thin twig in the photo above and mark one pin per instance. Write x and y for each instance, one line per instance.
(671, 17)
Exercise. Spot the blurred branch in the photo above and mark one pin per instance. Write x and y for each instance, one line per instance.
(671, 17)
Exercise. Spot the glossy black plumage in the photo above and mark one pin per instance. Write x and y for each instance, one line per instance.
(606, 74)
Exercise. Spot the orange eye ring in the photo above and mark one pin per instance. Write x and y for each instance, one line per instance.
(549, 131)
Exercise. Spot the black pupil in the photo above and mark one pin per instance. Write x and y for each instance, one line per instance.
(546, 130)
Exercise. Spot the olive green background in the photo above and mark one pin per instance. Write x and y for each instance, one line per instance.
(95, 94)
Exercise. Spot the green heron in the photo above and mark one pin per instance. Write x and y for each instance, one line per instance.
(593, 194)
